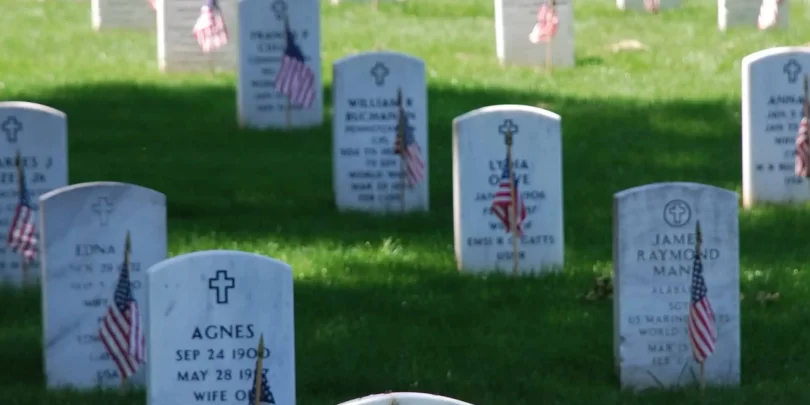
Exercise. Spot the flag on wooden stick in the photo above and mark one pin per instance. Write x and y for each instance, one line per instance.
(22, 234)
(210, 29)
(701, 326)
(121, 330)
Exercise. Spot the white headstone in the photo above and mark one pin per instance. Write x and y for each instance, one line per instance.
(772, 96)
(750, 13)
(132, 14)
(404, 398)
(653, 253)
(178, 50)
(261, 27)
(367, 175)
(39, 133)
(648, 5)
(207, 311)
(482, 242)
(84, 227)
(516, 19)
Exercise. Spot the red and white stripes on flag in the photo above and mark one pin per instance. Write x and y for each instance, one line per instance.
(121, 330)
(652, 6)
(547, 23)
(768, 13)
(210, 29)
(802, 167)
(701, 326)
(22, 234)
(296, 80)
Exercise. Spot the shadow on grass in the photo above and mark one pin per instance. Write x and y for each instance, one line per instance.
(405, 327)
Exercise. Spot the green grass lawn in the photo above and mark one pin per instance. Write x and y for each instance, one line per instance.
(379, 303)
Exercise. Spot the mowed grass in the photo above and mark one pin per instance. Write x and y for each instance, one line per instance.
(380, 305)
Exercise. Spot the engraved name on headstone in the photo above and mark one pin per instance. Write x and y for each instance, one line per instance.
(84, 227)
(261, 29)
(207, 312)
(482, 241)
(39, 133)
(772, 97)
(367, 174)
(653, 253)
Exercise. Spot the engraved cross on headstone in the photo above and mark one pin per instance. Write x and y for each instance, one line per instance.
(279, 8)
(379, 72)
(103, 207)
(677, 212)
(792, 69)
(11, 127)
(508, 127)
(221, 283)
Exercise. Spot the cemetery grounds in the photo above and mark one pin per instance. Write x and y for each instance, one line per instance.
(380, 305)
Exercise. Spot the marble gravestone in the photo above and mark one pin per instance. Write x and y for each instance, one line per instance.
(745, 13)
(132, 14)
(515, 20)
(772, 95)
(39, 133)
(482, 242)
(653, 251)
(208, 310)
(647, 5)
(261, 29)
(177, 48)
(83, 229)
(405, 398)
(367, 175)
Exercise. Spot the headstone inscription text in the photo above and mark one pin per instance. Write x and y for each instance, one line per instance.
(261, 29)
(208, 311)
(39, 133)
(772, 98)
(83, 229)
(368, 176)
(654, 251)
(482, 242)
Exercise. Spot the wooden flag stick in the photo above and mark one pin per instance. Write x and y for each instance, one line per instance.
(399, 144)
(20, 185)
(702, 376)
(257, 379)
(288, 107)
(513, 206)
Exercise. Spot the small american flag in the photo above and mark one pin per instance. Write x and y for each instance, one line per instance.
(768, 13)
(210, 28)
(22, 235)
(121, 330)
(702, 332)
(295, 79)
(503, 202)
(547, 23)
(265, 395)
(410, 151)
